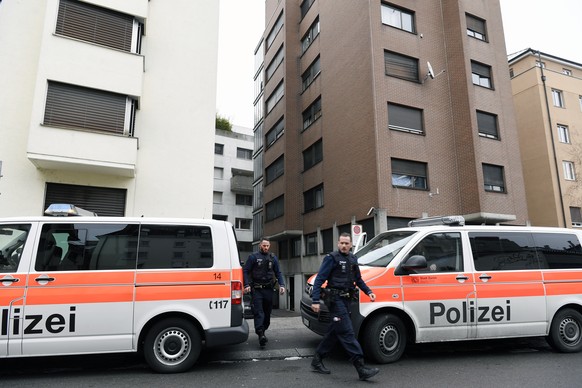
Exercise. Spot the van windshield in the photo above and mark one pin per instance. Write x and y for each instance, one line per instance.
(380, 251)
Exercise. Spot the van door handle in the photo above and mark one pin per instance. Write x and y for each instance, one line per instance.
(462, 278)
(44, 279)
(485, 277)
(12, 280)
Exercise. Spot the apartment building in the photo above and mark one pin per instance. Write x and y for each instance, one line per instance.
(108, 104)
(547, 95)
(374, 113)
(233, 184)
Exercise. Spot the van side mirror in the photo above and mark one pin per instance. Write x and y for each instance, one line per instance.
(411, 264)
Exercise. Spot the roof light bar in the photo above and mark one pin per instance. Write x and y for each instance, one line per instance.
(440, 220)
(66, 209)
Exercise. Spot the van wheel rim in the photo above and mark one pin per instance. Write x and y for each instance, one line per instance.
(388, 339)
(570, 331)
(172, 346)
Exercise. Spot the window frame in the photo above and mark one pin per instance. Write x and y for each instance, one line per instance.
(312, 113)
(414, 171)
(275, 133)
(481, 75)
(275, 170)
(275, 208)
(558, 98)
(275, 96)
(276, 61)
(218, 149)
(401, 66)
(398, 116)
(387, 21)
(313, 199)
(309, 75)
(473, 25)
(494, 178)
(243, 199)
(488, 125)
(310, 36)
(569, 169)
(313, 155)
(244, 153)
(274, 31)
(563, 134)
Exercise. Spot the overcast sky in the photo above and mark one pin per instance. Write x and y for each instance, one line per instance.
(553, 27)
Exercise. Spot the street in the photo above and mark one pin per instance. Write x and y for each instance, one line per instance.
(285, 362)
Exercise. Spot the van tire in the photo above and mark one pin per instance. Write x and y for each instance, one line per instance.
(172, 346)
(385, 338)
(566, 331)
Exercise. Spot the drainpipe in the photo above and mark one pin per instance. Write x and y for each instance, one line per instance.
(556, 164)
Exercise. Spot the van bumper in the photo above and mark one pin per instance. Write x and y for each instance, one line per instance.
(227, 335)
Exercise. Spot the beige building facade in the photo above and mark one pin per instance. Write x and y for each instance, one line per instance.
(547, 94)
(374, 113)
(108, 104)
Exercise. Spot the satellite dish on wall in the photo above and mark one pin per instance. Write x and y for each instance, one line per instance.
(430, 70)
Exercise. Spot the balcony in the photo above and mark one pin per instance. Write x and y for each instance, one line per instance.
(241, 182)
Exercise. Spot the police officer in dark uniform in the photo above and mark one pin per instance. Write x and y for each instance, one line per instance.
(260, 271)
(340, 269)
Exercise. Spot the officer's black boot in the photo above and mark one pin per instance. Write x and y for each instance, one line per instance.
(317, 365)
(364, 372)
(262, 338)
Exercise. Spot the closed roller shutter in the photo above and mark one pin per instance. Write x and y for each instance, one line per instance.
(102, 200)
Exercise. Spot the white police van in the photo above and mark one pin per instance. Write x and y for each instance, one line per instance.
(79, 285)
(439, 280)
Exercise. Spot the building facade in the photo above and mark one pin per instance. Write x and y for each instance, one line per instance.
(108, 104)
(374, 113)
(547, 94)
(233, 184)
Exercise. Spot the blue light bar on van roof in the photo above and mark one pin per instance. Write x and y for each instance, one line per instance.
(65, 209)
(440, 220)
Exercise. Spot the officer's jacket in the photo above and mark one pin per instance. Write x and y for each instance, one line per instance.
(261, 268)
(341, 272)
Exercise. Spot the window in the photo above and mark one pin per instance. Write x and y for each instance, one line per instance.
(217, 197)
(401, 66)
(75, 247)
(481, 75)
(275, 132)
(305, 5)
(275, 170)
(218, 172)
(310, 74)
(242, 223)
(311, 244)
(274, 209)
(563, 134)
(295, 247)
(487, 124)
(218, 149)
(275, 62)
(558, 98)
(558, 250)
(274, 31)
(511, 74)
(105, 201)
(476, 27)
(274, 98)
(243, 153)
(443, 252)
(13, 238)
(398, 17)
(567, 72)
(405, 118)
(312, 113)
(313, 198)
(310, 36)
(409, 174)
(493, 178)
(313, 155)
(244, 200)
(576, 217)
(76, 107)
(503, 251)
(89, 23)
(569, 171)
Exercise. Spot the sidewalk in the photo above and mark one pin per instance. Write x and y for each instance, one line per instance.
(288, 338)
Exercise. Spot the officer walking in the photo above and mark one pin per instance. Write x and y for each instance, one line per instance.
(260, 271)
(340, 269)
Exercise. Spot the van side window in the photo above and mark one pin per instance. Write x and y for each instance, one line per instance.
(503, 251)
(443, 252)
(82, 247)
(12, 239)
(175, 246)
(558, 250)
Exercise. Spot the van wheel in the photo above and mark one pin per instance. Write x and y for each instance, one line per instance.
(172, 346)
(566, 331)
(385, 338)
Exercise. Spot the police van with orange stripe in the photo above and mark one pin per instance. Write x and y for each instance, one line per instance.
(79, 285)
(451, 282)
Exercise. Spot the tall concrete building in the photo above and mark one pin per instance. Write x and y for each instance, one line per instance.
(108, 104)
(373, 113)
(233, 184)
(547, 94)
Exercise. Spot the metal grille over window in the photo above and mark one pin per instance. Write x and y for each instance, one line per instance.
(83, 108)
(93, 24)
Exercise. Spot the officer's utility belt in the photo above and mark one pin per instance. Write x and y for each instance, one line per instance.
(342, 293)
(259, 285)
